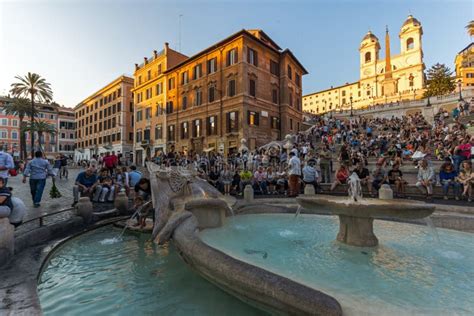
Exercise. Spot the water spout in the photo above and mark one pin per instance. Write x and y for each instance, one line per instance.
(434, 231)
(139, 209)
(298, 211)
(355, 189)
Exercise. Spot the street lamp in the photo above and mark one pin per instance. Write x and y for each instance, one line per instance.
(460, 91)
(351, 105)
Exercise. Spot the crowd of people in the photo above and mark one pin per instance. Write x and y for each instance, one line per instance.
(325, 156)
(334, 148)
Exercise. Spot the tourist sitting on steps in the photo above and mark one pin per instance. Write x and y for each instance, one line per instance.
(395, 177)
(364, 175)
(342, 173)
(447, 177)
(86, 182)
(105, 190)
(426, 178)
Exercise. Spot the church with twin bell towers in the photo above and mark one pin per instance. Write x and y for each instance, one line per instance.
(389, 79)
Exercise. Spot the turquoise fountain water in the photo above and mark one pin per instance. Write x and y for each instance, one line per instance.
(408, 273)
(97, 274)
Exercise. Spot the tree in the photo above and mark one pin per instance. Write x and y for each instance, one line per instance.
(439, 81)
(34, 87)
(20, 107)
(41, 127)
(470, 28)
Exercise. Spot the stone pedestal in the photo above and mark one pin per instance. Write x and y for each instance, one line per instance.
(121, 203)
(210, 213)
(84, 209)
(309, 189)
(357, 231)
(7, 241)
(248, 193)
(385, 192)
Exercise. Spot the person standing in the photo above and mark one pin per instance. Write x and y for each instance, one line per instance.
(6, 163)
(294, 172)
(38, 169)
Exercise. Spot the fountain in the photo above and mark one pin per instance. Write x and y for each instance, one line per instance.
(356, 215)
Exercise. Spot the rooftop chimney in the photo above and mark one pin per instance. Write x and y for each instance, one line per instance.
(166, 47)
(136, 67)
(155, 53)
(146, 60)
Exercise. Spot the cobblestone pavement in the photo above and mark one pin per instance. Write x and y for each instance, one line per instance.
(48, 205)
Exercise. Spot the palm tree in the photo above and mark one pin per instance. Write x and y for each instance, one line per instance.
(20, 107)
(34, 87)
(41, 127)
(470, 28)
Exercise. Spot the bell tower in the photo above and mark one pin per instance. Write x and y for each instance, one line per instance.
(369, 54)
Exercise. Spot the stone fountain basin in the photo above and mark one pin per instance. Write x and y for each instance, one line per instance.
(368, 208)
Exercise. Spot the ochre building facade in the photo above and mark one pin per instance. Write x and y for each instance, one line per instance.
(382, 80)
(244, 86)
(104, 121)
(464, 65)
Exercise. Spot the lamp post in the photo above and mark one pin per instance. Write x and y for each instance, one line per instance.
(460, 90)
(351, 105)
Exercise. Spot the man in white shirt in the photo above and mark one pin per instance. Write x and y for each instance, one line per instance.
(294, 172)
(6, 163)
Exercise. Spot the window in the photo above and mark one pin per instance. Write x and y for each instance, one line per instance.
(4, 122)
(368, 57)
(184, 130)
(289, 72)
(139, 80)
(252, 118)
(159, 69)
(275, 122)
(139, 115)
(231, 88)
(211, 94)
(291, 123)
(184, 103)
(148, 75)
(410, 43)
(212, 65)
(197, 71)
(275, 96)
(290, 97)
(252, 57)
(212, 125)
(368, 92)
(197, 128)
(252, 88)
(138, 136)
(298, 80)
(171, 83)
(15, 123)
(274, 68)
(343, 93)
(232, 57)
(232, 122)
(159, 88)
(14, 135)
(158, 131)
(184, 78)
(197, 97)
(147, 113)
(171, 133)
(147, 94)
(169, 107)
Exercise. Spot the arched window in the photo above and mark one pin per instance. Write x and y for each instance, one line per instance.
(410, 43)
(367, 57)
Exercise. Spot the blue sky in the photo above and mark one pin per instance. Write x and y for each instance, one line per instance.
(79, 46)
